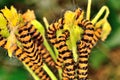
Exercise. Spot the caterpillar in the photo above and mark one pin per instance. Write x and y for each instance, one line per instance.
(63, 50)
(66, 55)
(23, 56)
(89, 39)
(51, 35)
(28, 45)
(37, 38)
(51, 31)
(46, 55)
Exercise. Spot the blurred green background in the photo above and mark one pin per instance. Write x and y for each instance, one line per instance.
(105, 58)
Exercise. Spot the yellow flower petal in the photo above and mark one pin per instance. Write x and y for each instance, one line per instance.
(12, 16)
(69, 17)
(3, 23)
(10, 41)
(106, 30)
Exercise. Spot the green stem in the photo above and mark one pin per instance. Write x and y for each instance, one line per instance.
(49, 49)
(56, 52)
(100, 13)
(60, 73)
(88, 10)
(74, 47)
(46, 22)
(52, 76)
(31, 72)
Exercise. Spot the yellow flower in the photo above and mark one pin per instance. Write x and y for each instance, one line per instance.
(12, 16)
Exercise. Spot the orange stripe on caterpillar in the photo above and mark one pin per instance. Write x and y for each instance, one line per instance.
(46, 55)
(3, 42)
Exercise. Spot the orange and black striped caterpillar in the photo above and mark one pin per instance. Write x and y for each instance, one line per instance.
(84, 46)
(28, 45)
(37, 38)
(69, 67)
(65, 57)
(24, 57)
(31, 41)
(34, 37)
(51, 34)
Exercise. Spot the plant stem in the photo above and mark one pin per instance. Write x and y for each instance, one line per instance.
(74, 47)
(60, 73)
(88, 10)
(31, 72)
(99, 14)
(49, 49)
(52, 76)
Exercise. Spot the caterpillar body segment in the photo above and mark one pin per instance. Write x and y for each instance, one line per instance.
(83, 49)
(51, 31)
(23, 57)
(88, 41)
(69, 69)
(45, 55)
(3, 42)
(63, 50)
(28, 17)
(28, 44)
(65, 57)
(51, 34)
(24, 37)
(37, 38)
(68, 62)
